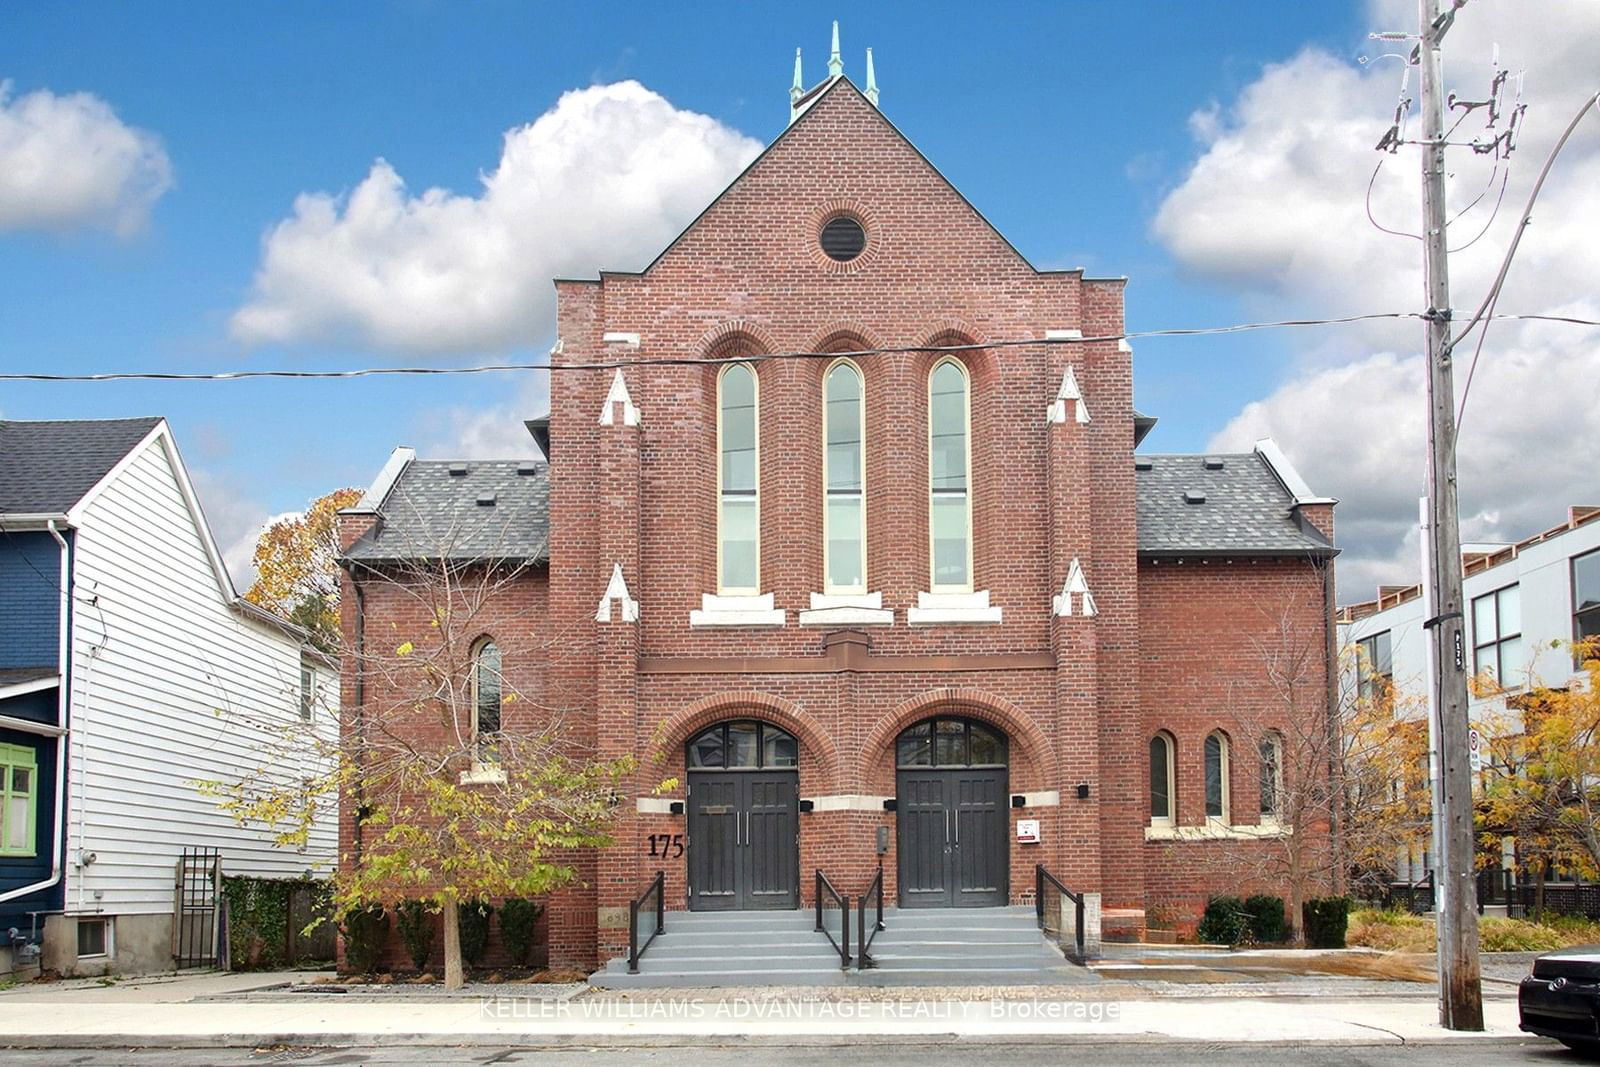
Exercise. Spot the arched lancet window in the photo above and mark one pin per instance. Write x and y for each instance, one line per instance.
(1271, 756)
(1217, 776)
(486, 695)
(844, 480)
(949, 478)
(1163, 779)
(941, 742)
(743, 746)
(738, 482)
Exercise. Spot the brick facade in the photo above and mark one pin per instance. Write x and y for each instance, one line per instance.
(1077, 697)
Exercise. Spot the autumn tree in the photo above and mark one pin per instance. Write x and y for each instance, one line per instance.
(1541, 777)
(297, 569)
(462, 764)
(1341, 776)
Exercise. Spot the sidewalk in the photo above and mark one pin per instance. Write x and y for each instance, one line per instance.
(166, 1013)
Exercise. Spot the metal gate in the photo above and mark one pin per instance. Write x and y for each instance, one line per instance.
(196, 909)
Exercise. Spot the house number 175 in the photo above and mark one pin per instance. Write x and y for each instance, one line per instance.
(666, 846)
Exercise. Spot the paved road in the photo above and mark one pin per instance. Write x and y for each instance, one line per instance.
(956, 1054)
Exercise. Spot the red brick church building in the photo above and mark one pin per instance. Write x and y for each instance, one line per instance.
(914, 587)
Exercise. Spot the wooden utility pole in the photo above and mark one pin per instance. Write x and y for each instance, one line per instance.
(1460, 991)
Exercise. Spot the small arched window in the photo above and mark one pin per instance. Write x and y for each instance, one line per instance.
(1163, 793)
(949, 477)
(738, 482)
(487, 696)
(1271, 756)
(1216, 759)
(844, 481)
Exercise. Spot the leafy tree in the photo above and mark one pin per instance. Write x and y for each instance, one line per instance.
(1541, 779)
(444, 814)
(297, 570)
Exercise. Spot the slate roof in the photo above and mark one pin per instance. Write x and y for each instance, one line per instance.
(46, 467)
(471, 509)
(1186, 509)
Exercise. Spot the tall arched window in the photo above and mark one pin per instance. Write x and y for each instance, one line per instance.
(1217, 776)
(844, 481)
(1163, 792)
(738, 482)
(949, 477)
(486, 696)
(1271, 755)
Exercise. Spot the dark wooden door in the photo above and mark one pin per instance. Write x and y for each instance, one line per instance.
(953, 838)
(744, 840)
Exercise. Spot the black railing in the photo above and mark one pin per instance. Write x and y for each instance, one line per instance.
(655, 915)
(1415, 897)
(865, 932)
(1047, 894)
(825, 894)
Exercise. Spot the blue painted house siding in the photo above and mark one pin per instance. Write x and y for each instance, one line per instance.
(30, 599)
(16, 871)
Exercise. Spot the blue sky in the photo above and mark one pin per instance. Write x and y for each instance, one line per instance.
(1068, 125)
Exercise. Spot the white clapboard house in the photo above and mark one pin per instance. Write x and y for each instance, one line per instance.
(130, 669)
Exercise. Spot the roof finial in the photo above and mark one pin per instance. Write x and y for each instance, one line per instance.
(872, 81)
(835, 64)
(799, 86)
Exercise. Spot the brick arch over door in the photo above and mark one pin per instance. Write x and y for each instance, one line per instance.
(736, 337)
(819, 756)
(1032, 766)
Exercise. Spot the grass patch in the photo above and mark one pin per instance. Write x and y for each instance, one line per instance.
(1398, 931)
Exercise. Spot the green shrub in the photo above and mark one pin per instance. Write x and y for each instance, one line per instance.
(518, 918)
(473, 922)
(1267, 922)
(416, 930)
(366, 932)
(1225, 922)
(1327, 920)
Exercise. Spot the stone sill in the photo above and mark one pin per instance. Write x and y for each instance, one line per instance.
(935, 609)
(483, 774)
(1216, 831)
(736, 611)
(847, 610)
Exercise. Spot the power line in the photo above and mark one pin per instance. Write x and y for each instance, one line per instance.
(756, 357)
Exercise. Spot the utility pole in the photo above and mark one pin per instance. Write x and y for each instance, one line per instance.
(1460, 990)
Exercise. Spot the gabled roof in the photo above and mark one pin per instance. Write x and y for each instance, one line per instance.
(1232, 504)
(821, 93)
(48, 466)
(459, 510)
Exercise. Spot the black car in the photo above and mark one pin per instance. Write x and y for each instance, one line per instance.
(1561, 998)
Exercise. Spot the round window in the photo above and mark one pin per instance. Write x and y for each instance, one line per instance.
(843, 238)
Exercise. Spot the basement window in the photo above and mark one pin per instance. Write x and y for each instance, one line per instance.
(94, 937)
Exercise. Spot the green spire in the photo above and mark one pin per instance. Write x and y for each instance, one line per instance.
(835, 64)
(872, 81)
(799, 86)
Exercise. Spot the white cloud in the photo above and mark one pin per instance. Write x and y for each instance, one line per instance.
(68, 161)
(1275, 205)
(604, 179)
(236, 521)
(493, 432)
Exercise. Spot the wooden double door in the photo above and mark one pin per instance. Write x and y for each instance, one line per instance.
(954, 843)
(744, 840)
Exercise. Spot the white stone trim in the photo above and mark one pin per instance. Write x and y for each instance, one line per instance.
(847, 609)
(383, 484)
(1216, 831)
(656, 805)
(621, 337)
(847, 802)
(952, 608)
(755, 609)
(1285, 472)
(619, 395)
(484, 774)
(617, 589)
(1044, 798)
(1076, 584)
(1069, 391)
(1124, 347)
(1063, 335)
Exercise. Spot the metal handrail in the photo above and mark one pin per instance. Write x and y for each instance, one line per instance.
(841, 944)
(1041, 879)
(658, 886)
(874, 893)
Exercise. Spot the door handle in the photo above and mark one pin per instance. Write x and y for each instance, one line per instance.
(955, 819)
